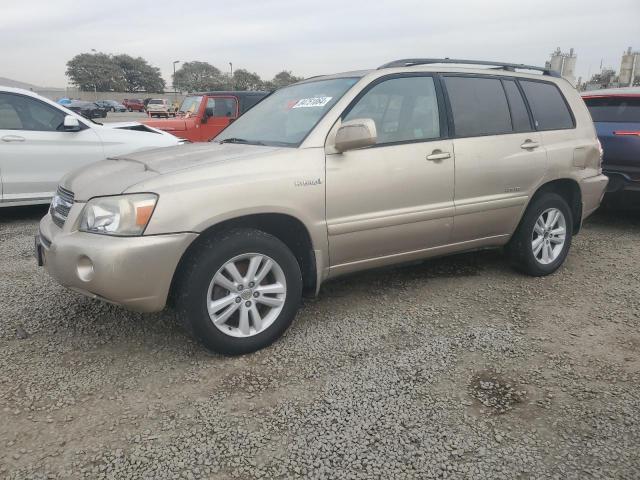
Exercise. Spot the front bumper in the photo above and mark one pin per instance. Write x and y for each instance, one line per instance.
(135, 272)
(592, 189)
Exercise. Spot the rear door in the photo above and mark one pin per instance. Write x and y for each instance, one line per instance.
(35, 151)
(225, 111)
(617, 120)
(500, 158)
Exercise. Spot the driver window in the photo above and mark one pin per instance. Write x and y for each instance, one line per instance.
(403, 109)
(223, 107)
(18, 112)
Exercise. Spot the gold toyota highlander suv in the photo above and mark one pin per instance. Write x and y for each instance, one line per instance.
(331, 175)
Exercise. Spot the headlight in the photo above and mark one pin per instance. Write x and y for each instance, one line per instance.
(126, 215)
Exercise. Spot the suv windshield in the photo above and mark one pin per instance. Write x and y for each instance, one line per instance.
(285, 117)
(190, 105)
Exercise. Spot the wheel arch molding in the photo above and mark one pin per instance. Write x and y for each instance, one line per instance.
(287, 228)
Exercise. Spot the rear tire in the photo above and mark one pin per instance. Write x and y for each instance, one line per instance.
(542, 241)
(241, 314)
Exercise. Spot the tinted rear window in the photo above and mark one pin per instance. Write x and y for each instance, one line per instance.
(550, 111)
(479, 106)
(614, 109)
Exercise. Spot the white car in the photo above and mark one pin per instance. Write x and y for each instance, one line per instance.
(40, 141)
(159, 107)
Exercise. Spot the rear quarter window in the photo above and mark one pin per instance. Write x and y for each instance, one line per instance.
(548, 106)
(614, 109)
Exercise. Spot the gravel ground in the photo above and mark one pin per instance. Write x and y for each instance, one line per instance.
(453, 368)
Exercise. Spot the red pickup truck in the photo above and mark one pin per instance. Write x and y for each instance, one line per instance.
(202, 116)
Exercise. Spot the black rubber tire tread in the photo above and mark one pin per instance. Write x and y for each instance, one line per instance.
(519, 247)
(198, 270)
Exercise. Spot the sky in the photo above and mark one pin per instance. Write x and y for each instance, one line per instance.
(38, 37)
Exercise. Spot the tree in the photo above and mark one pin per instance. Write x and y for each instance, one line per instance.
(283, 79)
(245, 80)
(138, 74)
(109, 73)
(199, 76)
(95, 72)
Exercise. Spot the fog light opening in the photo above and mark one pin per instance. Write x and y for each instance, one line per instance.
(85, 268)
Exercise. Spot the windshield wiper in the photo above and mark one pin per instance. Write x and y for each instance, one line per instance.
(240, 140)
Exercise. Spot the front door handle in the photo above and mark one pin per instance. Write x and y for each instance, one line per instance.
(438, 155)
(529, 145)
(12, 138)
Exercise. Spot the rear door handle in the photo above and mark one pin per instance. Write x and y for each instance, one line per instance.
(12, 138)
(529, 145)
(438, 155)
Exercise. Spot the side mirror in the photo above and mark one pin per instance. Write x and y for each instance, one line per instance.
(356, 133)
(71, 124)
(208, 112)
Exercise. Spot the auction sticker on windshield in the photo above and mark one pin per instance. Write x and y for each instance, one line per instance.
(312, 102)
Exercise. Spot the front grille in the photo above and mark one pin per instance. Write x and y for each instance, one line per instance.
(60, 206)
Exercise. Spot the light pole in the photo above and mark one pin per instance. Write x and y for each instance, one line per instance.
(231, 74)
(173, 80)
(95, 88)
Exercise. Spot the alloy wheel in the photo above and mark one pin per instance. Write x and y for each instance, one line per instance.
(549, 235)
(246, 295)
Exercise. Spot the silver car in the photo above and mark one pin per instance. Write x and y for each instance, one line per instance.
(332, 175)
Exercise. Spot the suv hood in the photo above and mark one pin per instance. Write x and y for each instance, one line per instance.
(115, 175)
(168, 125)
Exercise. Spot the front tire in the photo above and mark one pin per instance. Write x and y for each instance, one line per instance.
(239, 291)
(542, 241)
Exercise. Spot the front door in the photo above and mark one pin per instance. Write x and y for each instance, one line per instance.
(225, 111)
(393, 200)
(35, 151)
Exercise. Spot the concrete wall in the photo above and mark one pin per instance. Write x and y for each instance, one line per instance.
(55, 94)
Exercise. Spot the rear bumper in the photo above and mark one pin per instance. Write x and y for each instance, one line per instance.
(592, 189)
(135, 272)
(622, 178)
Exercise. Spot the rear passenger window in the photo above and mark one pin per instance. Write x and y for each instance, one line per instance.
(519, 114)
(550, 111)
(9, 118)
(479, 106)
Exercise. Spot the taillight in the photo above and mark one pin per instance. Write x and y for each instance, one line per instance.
(601, 151)
(631, 133)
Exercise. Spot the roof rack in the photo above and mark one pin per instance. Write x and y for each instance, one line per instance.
(510, 67)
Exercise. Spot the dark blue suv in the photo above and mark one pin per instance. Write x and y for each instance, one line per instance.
(616, 115)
